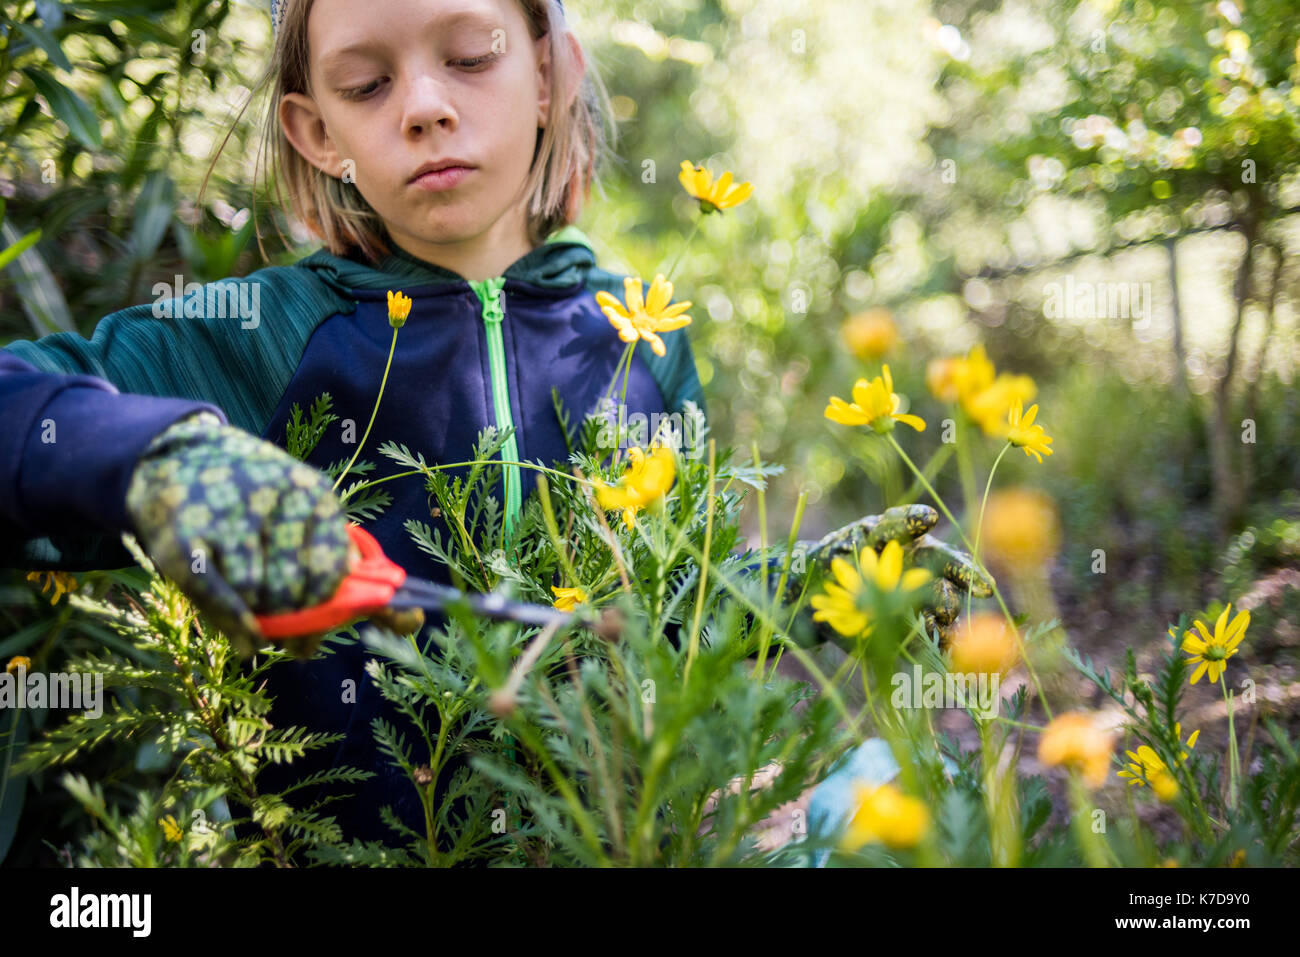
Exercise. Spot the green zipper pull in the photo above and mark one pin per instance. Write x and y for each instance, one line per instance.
(489, 292)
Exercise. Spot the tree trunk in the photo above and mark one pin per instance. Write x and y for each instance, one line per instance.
(1248, 463)
(1180, 350)
(1225, 446)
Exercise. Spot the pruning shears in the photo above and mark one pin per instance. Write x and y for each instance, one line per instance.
(377, 587)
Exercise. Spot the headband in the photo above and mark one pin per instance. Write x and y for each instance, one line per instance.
(278, 7)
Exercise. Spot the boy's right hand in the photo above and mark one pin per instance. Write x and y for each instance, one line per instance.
(240, 525)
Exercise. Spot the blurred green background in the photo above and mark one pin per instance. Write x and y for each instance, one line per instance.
(934, 166)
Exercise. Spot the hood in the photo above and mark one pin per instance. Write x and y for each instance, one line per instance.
(562, 261)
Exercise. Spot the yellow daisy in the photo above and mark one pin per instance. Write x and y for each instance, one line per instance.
(1210, 652)
(647, 480)
(62, 582)
(874, 404)
(1074, 741)
(870, 335)
(840, 605)
(171, 830)
(941, 378)
(1146, 767)
(713, 197)
(1021, 529)
(639, 318)
(987, 396)
(399, 307)
(886, 815)
(567, 598)
(1024, 434)
(983, 645)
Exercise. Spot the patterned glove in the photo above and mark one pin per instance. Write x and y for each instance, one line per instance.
(240, 525)
(954, 571)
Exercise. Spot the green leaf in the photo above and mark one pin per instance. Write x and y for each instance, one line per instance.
(17, 249)
(47, 42)
(154, 205)
(69, 107)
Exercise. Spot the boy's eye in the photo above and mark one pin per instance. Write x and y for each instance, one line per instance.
(361, 92)
(477, 61)
(365, 92)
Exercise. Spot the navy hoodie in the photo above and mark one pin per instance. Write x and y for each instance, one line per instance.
(79, 413)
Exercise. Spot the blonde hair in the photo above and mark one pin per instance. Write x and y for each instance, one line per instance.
(570, 149)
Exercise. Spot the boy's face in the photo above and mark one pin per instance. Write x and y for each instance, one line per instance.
(400, 83)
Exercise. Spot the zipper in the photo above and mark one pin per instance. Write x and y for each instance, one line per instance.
(492, 298)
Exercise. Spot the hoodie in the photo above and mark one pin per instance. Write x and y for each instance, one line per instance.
(78, 414)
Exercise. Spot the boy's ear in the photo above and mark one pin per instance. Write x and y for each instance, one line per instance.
(305, 129)
(546, 73)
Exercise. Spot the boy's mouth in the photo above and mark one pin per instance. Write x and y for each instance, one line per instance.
(441, 174)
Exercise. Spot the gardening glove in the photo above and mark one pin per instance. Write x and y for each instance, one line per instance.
(954, 573)
(240, 525)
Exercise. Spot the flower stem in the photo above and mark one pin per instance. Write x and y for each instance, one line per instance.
(373, 412)
(1091, 844)
(685, 246)
(931, 469)
(1234, 759)
(627, 352)
(694, 646)
(979, 526)
(627, 368)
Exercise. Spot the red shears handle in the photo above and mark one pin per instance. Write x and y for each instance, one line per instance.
(371, 582)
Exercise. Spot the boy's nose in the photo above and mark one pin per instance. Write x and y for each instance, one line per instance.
(426, 104)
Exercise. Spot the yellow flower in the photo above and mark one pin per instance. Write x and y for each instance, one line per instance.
(874, 403)
(399, 307)
(871, 334)
(886, 815)
(723, 194)
(1146, 767)
(171, 830)
(1210, 652)
(647, 480)
(567, 598)
(840, 605)
(1074, 741)
(18, 661)
(941, 378)
(1021, 530)
(62, 582)
(641, 319)
(983, 645)
(986, 396)
(1024, 434)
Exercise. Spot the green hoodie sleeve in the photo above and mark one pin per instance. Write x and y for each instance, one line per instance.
(233, 342)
